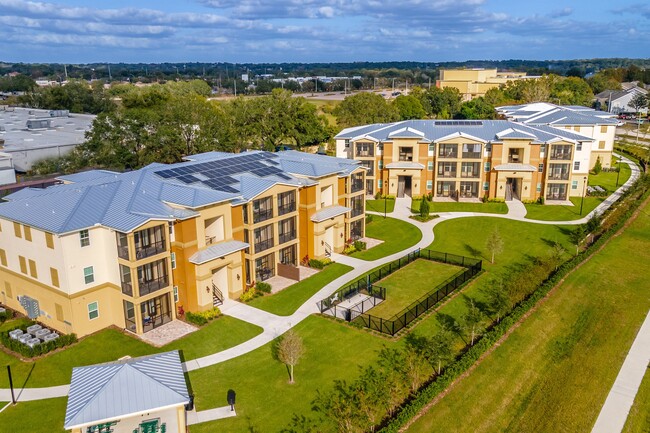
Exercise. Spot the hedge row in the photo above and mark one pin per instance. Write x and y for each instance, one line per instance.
(39, 349)
(468, 358)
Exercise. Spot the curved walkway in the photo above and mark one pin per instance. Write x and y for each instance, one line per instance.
(275, 326)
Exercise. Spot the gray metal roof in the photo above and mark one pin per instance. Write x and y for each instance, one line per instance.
(125, 201)
(115, 390)
(329, 212)
(219, 250)
(542, 113)
(405, 165)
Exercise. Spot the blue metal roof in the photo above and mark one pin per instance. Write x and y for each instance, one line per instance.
(86, 175)
(104, 392)
(219, 250)
(329, 212)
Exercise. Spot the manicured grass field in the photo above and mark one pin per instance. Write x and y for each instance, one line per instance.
(411, 283)
(266, 401)
(638, 421)
(562, 213)
(378, 205)
(438, 206)
(396, 234)
(607, 180)
(111, 344)
(41, 416)
(286, 302)
(554, 372)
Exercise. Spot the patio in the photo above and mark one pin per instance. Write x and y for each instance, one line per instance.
(167, 333)
(279, 283)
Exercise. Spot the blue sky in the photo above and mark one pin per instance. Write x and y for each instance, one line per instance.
(74, 31)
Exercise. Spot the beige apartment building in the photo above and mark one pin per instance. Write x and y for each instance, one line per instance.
(133, 249)
(468, 159)
(472, 83)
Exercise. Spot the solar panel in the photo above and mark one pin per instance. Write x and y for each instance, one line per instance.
(166, 174)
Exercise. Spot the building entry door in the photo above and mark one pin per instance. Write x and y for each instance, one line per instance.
(403, 186)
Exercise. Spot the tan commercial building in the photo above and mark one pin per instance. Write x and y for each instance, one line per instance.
(130, 249)
(472, 83)
(468, 159)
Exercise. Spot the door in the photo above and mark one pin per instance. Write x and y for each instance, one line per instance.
(401, 184)
(329, 240)
(407, 185)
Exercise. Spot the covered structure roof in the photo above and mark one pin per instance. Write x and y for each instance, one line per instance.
(329, 212)
(543, 113)
(105, 392)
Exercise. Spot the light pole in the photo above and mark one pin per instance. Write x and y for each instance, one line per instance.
(618, 175)
(584, 186)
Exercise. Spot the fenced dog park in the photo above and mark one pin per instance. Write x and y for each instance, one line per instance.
(395, 299)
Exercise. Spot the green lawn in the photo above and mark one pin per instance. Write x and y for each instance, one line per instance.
(411, 283)
(378, 205)
(41, 416)
(607, 180)
(438, 206)
(554, 372)
(286, 302)
(111, 344)
(266, 401)
(638, 421)
(396, 234)
(545, 212)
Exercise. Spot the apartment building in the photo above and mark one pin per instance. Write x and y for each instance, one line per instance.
(472, 83)
(129, 249)
(467, 159)
(599, 125)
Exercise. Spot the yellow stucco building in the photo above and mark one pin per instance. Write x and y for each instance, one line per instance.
(472, 83)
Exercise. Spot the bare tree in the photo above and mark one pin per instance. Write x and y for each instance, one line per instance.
(290, 349)
(494, 244)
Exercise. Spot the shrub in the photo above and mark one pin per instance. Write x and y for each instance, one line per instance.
(349, 250)
(598, 166)
(369, 218)
(203, 317)
(319, 264)
(424, 208)
(40, 349)
(263, 287)
(359, 245)
(8, 314)
(248, 295)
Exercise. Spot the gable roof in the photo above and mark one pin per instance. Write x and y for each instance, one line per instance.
(111, 391)
(543, 113)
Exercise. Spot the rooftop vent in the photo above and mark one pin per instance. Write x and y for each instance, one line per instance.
(38, 123)
(60, 113)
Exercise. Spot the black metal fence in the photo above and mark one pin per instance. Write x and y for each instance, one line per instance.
(357, 312)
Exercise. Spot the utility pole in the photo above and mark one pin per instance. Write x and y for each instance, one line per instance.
(11, 385)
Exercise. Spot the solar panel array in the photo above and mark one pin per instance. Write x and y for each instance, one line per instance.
(218, 174)
(458, 123)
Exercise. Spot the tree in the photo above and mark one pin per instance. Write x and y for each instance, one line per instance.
(638, 102)
(497, 298)
(371, 391)
(571, 91)
(477, 108)
(441, 347)
(340, 407)
(441, 103)
(494, 244)
(576, 237)
(290, 349)
(424, 208)
(409, 107)
(598, 167)
(472, 320)
(364, 108)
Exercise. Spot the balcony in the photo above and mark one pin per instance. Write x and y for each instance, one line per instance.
(263, 245)
(356, 212)
(447, 173)
(144, 251)
(285, 237)
(365, 151)
(563, 156)
(357, 185)
(262, 215)
(559, 176)
(149, 286)
(469, 174)
(471, 155)
(123, 252)
(127, 288)
(287, 208)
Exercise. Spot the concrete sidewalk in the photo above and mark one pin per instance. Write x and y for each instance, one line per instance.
(30, 394)
(194, 417)
(621, 397)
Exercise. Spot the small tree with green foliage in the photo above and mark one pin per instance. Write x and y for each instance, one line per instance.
(497, 298)
(576, 237)
(494, 244)
(290, 349)
(598, 166)
(472, 320)
(424, 208)
(441, 347)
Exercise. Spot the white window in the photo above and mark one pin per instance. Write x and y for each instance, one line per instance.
(84, 238)
(574, 184)
(430, 166)
(432, 147)
(539, 186)
(380, 163)
(486, 166)
(488, 148)
(576, 165)
(93, 310)
(89, 275)
(175, 292)
(540, 167)
(347, 143)
(579, 147)
(173, 260)
(429, 184)
(379, 183)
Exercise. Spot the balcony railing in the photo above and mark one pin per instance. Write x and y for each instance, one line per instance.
(406, 157)
(357, 186)
(447, 154)
(471, 155)
(365, 152)
(447, 174)
(127, 288)
(469, 174)
(556, 196)
(142, 252)
(286, 237)
(123, 252)
(149, 286)
(558, 176)
(263, 245)
(561, 155)
(262, 215)
(286, 208)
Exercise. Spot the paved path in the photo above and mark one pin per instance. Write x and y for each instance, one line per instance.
(275, 326)
(621, 397)
(197, 417)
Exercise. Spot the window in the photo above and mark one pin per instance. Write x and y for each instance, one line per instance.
(574, 184)
(32, 269)
(488, 147)
(578, 147)
(486, 186)
(54, 275)
(542, 150)
(430, 165)
(380, 164)
(59, 312)
(17, 230)
(576, 128)
(175, 293)
(603, 129)
(347, 143)
(601, 144)
(380, 146)
(486, 167)
(23, 264)
(173, 260)
(84, 238)
(432, 147)
(89, 275)
(380, 183)
(576, 165)
(539, 186)
(49, 240)
(429, 184)
(540, 167)
(28, 233)
(93, 310)
(3, 257)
